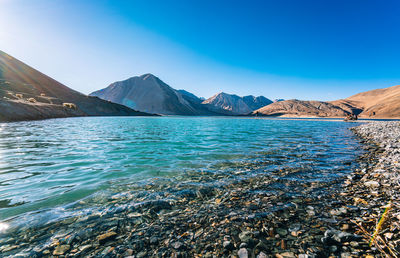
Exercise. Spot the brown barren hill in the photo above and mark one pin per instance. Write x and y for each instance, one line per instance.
(301, 108)
(379, 103)
(27, 94)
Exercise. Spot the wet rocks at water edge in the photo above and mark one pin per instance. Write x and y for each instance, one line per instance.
(375, 189)
(106, 237)
(61, 249)
(238, 219)
(250, 216)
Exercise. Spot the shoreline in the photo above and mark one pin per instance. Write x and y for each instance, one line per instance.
(237, 219)
(376, 188)
(368, 208)
(289, 117)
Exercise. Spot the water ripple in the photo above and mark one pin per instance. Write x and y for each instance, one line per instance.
(47, 164)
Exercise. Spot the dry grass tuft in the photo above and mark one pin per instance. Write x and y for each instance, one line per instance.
(375, 239)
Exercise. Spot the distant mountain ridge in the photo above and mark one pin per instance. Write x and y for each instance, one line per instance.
(231, 104)
(255, 103)
(27, 94)
(236, 105)
(190, 96)
(197, 103)
(148, 93)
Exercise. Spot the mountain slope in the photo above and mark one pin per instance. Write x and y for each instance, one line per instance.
(255, 103)
(190, 97)
(149, 94)
(201, 109)
(231, 104)
(27, 94)
(227, 104)
(379, 103)
(301, 108)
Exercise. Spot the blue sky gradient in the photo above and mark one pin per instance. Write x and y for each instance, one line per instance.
(305, 49)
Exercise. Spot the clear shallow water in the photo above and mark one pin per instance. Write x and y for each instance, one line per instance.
(47, 166)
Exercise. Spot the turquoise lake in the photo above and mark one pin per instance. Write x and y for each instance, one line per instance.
(47, 167)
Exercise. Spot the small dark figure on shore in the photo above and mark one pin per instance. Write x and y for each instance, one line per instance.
(351, 117)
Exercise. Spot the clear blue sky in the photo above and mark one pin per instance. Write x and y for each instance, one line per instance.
(280, 49)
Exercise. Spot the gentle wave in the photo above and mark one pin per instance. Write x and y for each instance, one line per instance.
(50, 165)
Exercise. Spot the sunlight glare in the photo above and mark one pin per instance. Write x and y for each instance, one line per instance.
(3, 227)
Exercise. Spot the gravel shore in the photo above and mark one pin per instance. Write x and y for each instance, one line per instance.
(376, 188)
(239, 219)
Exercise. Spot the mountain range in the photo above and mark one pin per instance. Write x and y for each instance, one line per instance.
(231, 104)
(147, 93)
(27, 94)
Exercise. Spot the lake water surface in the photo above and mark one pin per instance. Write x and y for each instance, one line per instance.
(55, 168)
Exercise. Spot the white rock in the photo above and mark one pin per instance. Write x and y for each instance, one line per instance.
(371, 183)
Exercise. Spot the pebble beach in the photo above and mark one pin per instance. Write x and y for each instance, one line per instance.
(353, 216)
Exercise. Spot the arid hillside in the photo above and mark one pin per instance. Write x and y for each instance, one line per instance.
(380, 103)
(301, 108)
(27, 94)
